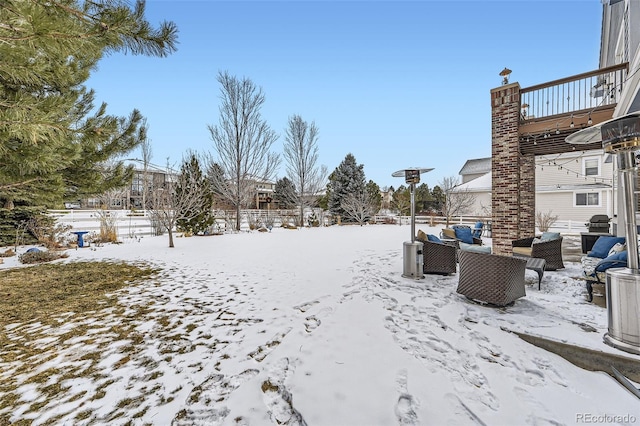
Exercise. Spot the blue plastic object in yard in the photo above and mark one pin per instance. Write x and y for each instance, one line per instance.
(80, 235)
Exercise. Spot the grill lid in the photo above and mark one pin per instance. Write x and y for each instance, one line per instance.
(599, 218)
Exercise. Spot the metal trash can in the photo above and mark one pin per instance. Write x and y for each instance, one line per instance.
(623, 299)
(413, 260)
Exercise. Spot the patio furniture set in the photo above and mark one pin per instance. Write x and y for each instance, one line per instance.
(485, 277)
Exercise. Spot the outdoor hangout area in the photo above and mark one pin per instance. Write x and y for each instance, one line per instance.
(318, 326)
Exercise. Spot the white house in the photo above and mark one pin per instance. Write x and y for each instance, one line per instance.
(573, 186)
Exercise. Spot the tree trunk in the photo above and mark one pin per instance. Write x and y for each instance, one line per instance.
(238, 218)
(170, 238)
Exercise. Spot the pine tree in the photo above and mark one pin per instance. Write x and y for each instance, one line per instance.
(347, 178)
(422, 197)
(374, 195)
(438, 197)
(198, 217)
(52, 143)
(285, 194)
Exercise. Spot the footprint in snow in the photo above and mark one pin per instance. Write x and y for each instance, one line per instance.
(404, 410)
(205, 401)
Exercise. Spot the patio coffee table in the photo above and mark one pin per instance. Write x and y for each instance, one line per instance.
(537, 265)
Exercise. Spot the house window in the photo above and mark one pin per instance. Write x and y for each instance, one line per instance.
(588, 199)
(591, 166)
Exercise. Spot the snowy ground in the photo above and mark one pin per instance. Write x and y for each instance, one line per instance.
(314, 326)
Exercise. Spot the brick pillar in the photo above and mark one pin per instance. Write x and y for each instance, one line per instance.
(513, 175)
(527, 196)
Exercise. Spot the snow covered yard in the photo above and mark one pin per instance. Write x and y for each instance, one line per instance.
(311, 326)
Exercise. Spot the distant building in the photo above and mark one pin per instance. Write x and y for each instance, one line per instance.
(134, 196)
(473, 169)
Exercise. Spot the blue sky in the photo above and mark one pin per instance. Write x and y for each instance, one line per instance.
(397, 84)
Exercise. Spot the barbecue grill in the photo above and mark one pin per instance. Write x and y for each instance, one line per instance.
(598, 223)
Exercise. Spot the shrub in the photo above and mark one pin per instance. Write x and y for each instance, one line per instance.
(544, 220)
(108, 228)
(7, 253)
(41, 256)
(47, 232)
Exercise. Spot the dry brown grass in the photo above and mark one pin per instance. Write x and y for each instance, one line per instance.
(45, 293)
(41, 292)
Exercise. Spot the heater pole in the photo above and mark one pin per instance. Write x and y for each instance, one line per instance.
(627, 167)
(413, 212)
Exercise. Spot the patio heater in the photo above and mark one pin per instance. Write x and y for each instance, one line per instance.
(621, 136)
(412, 250)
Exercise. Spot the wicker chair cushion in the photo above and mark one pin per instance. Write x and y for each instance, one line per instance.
(449, 233)
(603, 245)
(464, 235)
(589, 264)
(433, 239)
(522, 251)
(475, 248)
(617, 248)
(546, 236)
(617, 260)
(421, 235)
(477, 229)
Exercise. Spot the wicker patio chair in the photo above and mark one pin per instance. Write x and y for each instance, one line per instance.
(438, 258)
(450, 233)
(549, 250)
(491, 278)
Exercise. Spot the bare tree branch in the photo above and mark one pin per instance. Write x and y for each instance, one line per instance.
(457, 201)
(169, 205)
(360, 207)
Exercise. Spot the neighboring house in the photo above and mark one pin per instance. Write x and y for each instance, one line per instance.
(133, 197)
(263, 199)
(473, 169)
(573, 186)
(480, 187)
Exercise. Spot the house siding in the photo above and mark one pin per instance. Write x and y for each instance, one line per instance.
(566, 172)
(561, 204)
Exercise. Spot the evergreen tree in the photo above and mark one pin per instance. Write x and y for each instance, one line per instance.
(52, 143)
(285, 193)
(439, 197)
(374, 196)
(422, 197)
(199, 216)
(347, 178)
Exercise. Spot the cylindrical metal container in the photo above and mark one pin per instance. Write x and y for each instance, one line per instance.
(413, 261)
(623, 299)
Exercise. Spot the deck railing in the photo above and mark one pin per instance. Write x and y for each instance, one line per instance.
(583, 92)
